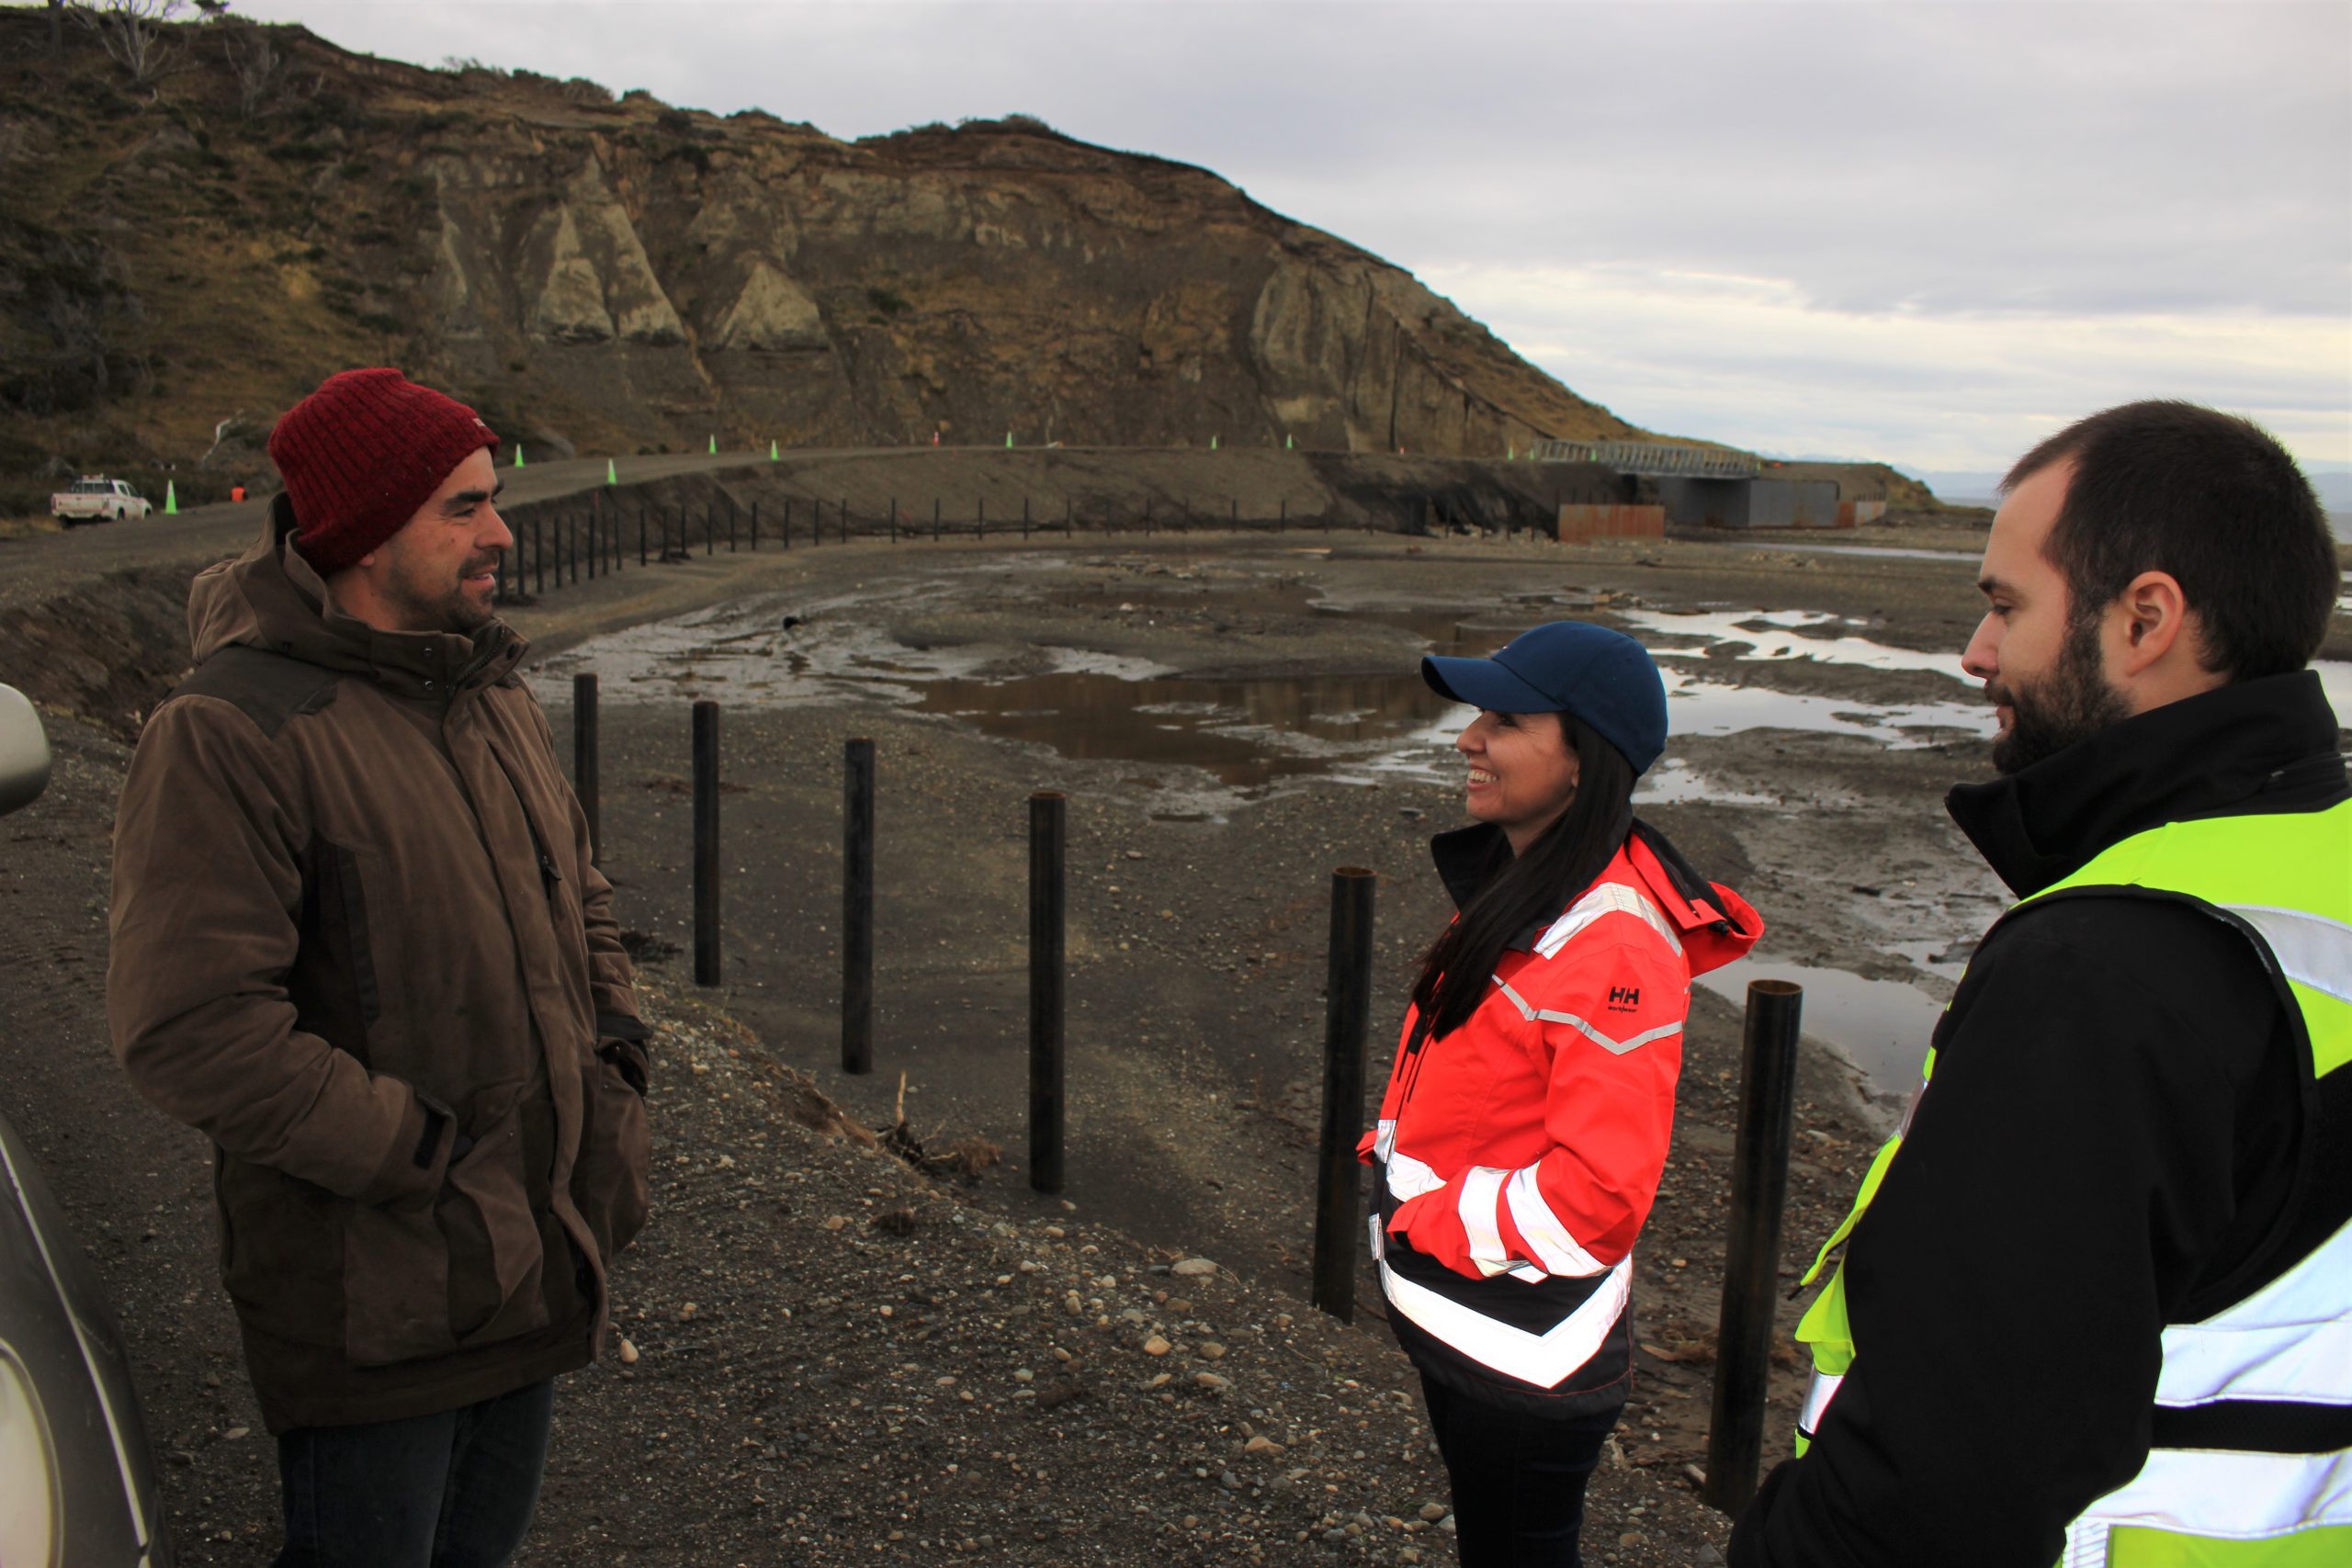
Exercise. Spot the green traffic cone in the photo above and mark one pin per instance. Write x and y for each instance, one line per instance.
(1008, 440)
(171, 500)
(518, 453)
(1211, 442)
(714, 444)
(611, 478)
(771, 451)
(1510, 454)
(1286, 441)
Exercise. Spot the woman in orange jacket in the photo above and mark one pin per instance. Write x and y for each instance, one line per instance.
(1527, 1116)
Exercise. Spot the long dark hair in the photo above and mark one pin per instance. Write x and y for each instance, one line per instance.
(1538, 883)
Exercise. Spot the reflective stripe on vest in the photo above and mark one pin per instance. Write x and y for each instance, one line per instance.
(2285, 881)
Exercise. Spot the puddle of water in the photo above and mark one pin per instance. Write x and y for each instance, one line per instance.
(1694, 706)
(1881, 1026)
(1674, 782)
(1789, 634)
(1246, 733)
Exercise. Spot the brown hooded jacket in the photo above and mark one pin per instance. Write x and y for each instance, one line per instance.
(358, 943)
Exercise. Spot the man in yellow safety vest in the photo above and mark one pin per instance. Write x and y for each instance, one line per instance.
(2094, 1304)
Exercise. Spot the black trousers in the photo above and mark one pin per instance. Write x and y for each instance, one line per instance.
(1518, 1480)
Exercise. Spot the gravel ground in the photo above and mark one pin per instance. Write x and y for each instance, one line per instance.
(833, 1356)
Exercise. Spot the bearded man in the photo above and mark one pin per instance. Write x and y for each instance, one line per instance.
(2095, 1302)
(358, 941)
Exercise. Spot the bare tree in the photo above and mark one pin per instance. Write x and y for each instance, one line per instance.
(254, 62)
(132, 32)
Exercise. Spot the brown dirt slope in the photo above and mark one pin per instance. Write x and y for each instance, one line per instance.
(177, 264)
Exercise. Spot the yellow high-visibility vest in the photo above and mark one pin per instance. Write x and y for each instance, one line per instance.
(2285, 882)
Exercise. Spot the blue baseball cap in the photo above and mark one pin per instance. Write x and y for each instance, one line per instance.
(1602, 679)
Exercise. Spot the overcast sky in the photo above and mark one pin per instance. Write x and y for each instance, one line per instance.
(1927, 232)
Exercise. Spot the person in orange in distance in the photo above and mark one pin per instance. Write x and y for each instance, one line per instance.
(1526, 1119)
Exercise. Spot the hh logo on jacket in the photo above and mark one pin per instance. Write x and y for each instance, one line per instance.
(1625, 998)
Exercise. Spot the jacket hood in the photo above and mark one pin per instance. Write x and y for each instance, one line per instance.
(2262, 744)
(270, 598)
(1715, 924)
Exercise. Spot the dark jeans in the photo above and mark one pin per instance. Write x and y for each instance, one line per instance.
(1518, 1480)
(450, 1490)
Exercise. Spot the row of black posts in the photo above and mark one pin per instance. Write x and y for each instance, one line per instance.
(1768, 1063)
(593, 545)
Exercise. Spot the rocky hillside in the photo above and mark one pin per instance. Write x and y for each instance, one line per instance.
(179, 260)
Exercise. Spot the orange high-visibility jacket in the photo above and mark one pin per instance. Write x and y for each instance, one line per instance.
(1517, 1155)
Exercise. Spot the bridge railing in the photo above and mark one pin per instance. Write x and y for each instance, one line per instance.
(1659, 459)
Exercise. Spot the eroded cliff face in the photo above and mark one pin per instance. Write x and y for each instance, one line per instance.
(616, 275)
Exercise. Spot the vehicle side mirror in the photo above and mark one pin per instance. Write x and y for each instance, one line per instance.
(24, 752)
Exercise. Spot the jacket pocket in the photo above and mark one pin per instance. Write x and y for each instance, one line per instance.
(427, 1278)
(280, 1250)
(609, 1183)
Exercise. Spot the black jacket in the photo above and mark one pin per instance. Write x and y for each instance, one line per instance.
(2120, 1135)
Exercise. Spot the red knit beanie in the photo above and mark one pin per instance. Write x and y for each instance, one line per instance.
(361, 454)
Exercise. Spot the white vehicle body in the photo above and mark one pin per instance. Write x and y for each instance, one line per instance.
(95, 499)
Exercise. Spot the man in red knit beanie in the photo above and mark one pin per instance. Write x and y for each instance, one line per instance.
(359, 941)
(362, 457)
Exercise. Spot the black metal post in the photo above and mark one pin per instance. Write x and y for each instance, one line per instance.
(756, 525)
(1236, 515)
(844, 519)
(641, 532)
(788, 521)
(857, 906)
(730, 525)
(1281, 517)
(934, 519)
(710, 532)
(538, 558)
(1347, 1011)
(583, 760)
(1045, 977)
(706, 743)
(1760, 1184)
(894, 519)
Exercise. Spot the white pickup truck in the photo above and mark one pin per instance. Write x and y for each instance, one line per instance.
(95, 499)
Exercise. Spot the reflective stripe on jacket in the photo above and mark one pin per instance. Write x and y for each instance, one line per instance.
(2251, 1466)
